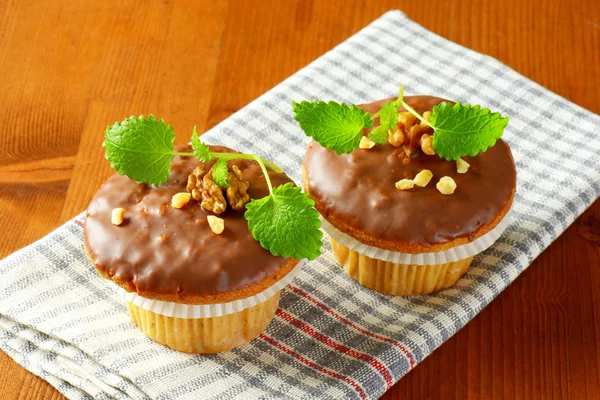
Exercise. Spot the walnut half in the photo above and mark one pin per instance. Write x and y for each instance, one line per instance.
(214, 198)
(194, 185)
(236, 192)
(212, 195)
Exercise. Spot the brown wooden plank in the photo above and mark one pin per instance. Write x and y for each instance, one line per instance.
(168, 71)
(18, 383)
(70, 68)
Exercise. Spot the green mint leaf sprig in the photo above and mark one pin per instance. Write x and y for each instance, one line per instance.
(221, 173)
(388, 119)
(201, 150)
(462, 130)
(131, 152)
(336, 126)
(284, 222)
(458, 130)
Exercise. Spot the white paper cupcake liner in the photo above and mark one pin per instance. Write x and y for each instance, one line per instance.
(191, 311)
(441, 257)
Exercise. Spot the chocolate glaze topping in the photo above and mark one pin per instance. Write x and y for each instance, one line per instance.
(358, 189)
(163, 250)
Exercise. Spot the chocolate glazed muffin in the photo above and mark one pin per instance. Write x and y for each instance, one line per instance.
(182, 256)
(363, 195)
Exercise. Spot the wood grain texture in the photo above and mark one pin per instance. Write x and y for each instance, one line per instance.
(70, 67)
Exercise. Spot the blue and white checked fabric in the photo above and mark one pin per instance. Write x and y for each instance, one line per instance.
(331, 337)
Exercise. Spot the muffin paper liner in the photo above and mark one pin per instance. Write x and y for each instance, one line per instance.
(441, 257)
(206, 335)
(398, 279)
(178, 310)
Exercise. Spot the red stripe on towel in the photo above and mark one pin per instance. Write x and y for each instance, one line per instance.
(337, 316)
(306, 361)
(389, 381)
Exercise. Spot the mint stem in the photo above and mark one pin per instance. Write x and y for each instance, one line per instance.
(416, 114)
(264, 170)
(398, 102)
(400, 98)
(236, 156)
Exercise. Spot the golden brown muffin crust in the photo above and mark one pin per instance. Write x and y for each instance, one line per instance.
(171, 254)
(355, 192)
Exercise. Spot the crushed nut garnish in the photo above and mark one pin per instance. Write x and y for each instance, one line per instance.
(117, 216)
(215, 198)
(194, 185)
(405, 184)
(462, 166)
(396, 137)
(236, 192)
(406, 119)
(180, 199)
(423, 178)
(415, 133)
(366, 143)
(217, 225)
(412, 134)
(446, 185)
(427, 144)
(212, 195)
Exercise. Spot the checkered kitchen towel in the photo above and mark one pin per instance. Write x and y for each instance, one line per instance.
(331, 338)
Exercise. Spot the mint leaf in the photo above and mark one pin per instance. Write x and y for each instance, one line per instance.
(464, 130)
(389, 115)
(285, 223)
(379, 134)
(201, 151)
(221, 173)
(140, 148)
(337, 127)
(388, 119)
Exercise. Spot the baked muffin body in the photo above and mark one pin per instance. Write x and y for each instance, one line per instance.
(167, 254)
(355, 192)
(172, 254)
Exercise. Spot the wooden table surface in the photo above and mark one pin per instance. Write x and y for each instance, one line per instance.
(72, 67)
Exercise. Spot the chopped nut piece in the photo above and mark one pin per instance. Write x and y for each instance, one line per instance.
(405, 184)
(396, 137)
(366, 143)
(217, 225)
(212, 195)
(180, 199)
(117, 216)
(423, 178)
(406, 119)
(427, 144)
(194, 185)
(214, 198)
(236, 192)
(462, 166)
(446, 185)
(415, 133)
